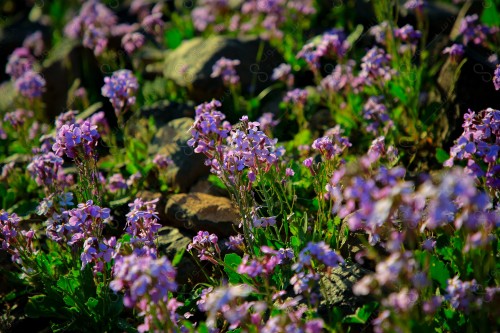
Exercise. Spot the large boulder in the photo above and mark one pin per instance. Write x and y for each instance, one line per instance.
(66, 63)
(190, 65)
(200, 211)
(172, 241)
(336, 289)
(171, 140)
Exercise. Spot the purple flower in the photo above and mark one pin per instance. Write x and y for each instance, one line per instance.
(132, 41)
(267, 122)
(296, 97)
(236, 242)
(144, 278)
(376, 66)
(120, 88)
(76, 140)
(225, 68)
(284, 73)
(34, 42)
(377, 114)
(415, 4)
(496, 78)
(462, 294)
(333, 44)
(45, 168)
(93, 25)
(407, 34)
(117, 183)
(456, 52)
(30, 84)
(19, 62)
(205, 243)
(142, 223)
(162, 161)
(473, 31)
(330, 146)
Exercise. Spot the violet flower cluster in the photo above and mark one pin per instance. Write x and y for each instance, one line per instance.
(15, 241)
(76, 141)
(455, 52)
(92, 25)
(46, 169)
(333, 144)
(142, 222)
(479, 146)
(206, 244)
(333, 44)
(305, 274)
(225, 68)
(146, 282)
(377, 115)
(473, 31)
(120, 88)
(265, 264)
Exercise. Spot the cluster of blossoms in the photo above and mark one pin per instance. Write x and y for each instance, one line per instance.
(117, 183)
(468, 295)
(132, 41)
(479, 145)
(207, 11)
(28, 83)
(377, 115)
(247, 146)
(35, 43)
(407, 34)
(146, 282)
(225, 68)
(142, 222)
(120, 88)
(496, 78)
(264, 265)
(18, 118)
(375, 66)
(267, 121)
(93, 25)
(284, 73)
(229, 301)
(332, 144)
(206, 245)
(86, 221)
(296, 97)
(306, 275)
(456, 52)
(333, 44)
(339, 79)
(16, 242)
(55, 208)
(473, 31)
(46, 169)
(19, 62)
(76, 141)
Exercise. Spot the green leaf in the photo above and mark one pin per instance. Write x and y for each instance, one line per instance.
(490, 15)
(441, 155)
(232, 261)
(362, 314)
(173, 38)
(69, 285)
(439, 272)
(398, 92)
(178, 257)
(92, 303)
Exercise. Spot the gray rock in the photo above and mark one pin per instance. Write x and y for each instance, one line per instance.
(190, 65)
(171, 140)
(200, 211)
(170, 242)
(68, 62)
(336, 288)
